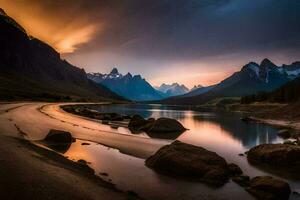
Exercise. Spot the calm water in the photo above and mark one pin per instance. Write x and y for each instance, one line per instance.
(223, 133)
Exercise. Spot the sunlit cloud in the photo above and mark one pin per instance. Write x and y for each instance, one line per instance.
(68, 42)
(65, 32)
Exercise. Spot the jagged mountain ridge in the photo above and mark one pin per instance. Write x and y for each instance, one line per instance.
(252, 78)
(131, 87)
(173, 89)
(31, 69)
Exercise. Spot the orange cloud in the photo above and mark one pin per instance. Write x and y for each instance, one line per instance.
(63, 31)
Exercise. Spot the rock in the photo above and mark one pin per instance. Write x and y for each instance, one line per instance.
(161, 125)
(284, 133)
(234, 170)
(59, 137)
(190, 162)
(241, 180)
(269, 188)
(249, 119)
(58, 140)
(137, 123)
(290, 142)
(81, 161)
(166, 125)
(276, 155)
(106, 122)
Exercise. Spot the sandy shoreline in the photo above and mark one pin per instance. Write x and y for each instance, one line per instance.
(28, 171)
(31, 172)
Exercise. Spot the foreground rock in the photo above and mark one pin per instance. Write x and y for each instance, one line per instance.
(269, 188)
(59, 140)
(191, 162)
(59, 137)
(161, 125)
(276, 155)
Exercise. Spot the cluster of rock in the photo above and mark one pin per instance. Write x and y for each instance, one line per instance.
(93, 114)
(160, 125)
(196, 163)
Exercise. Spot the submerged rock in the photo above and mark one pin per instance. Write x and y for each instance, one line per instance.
(269, 188)
(191, 162)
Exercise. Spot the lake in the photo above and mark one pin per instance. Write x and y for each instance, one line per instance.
(221, 132)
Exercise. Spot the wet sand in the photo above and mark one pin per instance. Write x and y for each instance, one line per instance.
(31, 172)
(38, 118)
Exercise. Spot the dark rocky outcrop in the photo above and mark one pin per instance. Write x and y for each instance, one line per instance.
(269, 188)
(191, 162)
(161, 125)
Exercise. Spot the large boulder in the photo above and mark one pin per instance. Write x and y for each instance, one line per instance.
(59, 137)
(59, 140)
(191, 162)
(166, 125)
(269, 188)
(161, 125)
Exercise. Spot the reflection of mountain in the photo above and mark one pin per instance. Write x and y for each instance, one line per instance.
(249, 134)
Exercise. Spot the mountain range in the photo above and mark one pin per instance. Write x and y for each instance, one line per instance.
(172, 90)
(131, 87)
(251, 79)
(31, 69)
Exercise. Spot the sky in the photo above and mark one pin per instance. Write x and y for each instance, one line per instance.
(186, 41)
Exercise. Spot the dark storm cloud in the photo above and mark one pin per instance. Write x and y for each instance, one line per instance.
(195, 28)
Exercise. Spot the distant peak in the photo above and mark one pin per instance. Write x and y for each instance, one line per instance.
(2, 12)
(128, 75)
(114, 71)
(266, 62)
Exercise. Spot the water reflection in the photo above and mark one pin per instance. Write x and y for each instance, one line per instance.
(223, 133)
(227, 124)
